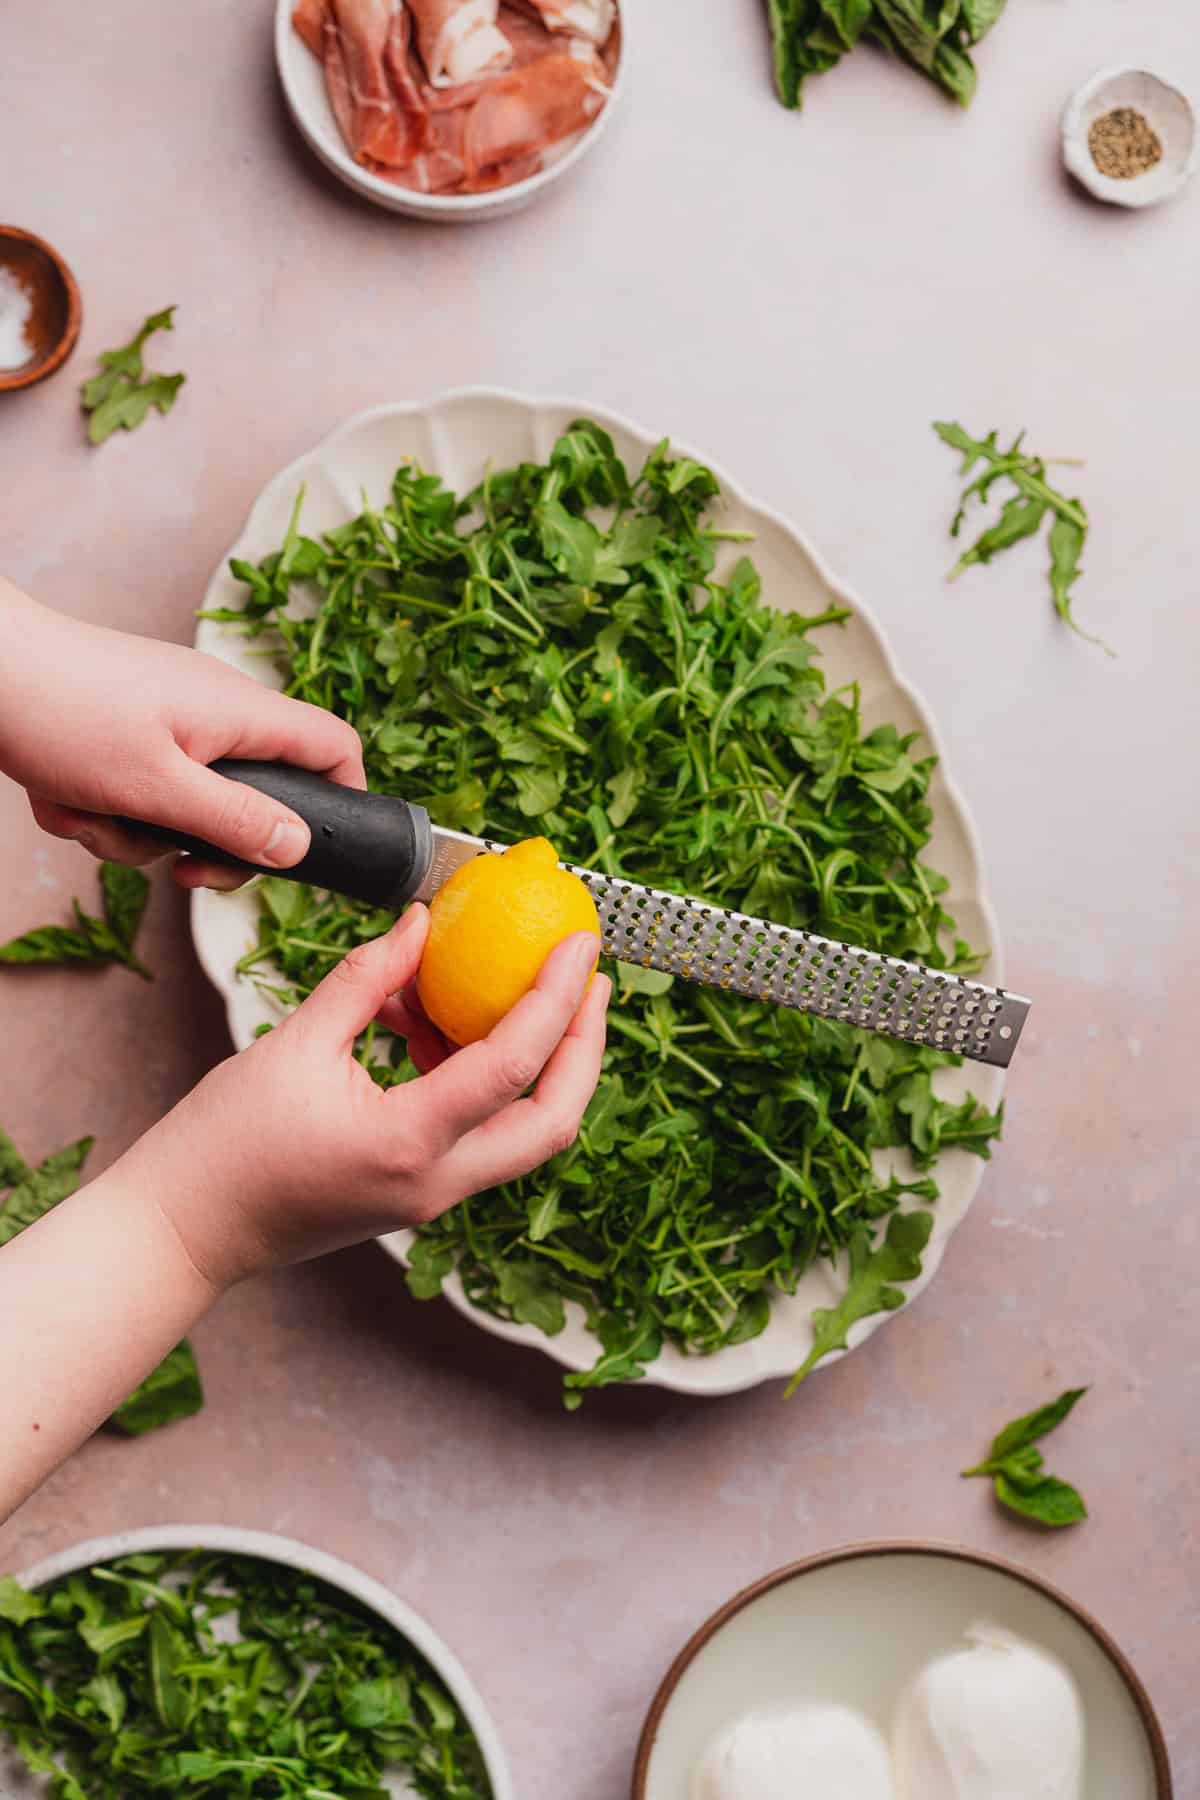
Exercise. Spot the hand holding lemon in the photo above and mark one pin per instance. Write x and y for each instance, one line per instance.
(491, 928)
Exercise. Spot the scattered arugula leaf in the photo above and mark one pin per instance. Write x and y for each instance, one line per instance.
(934, 36)
(125, 1679)
(124, 892)
(561, 639)
(170, 1392)
(1016, 1467)
(120, 397)
(36, 1191)
(1022, 515)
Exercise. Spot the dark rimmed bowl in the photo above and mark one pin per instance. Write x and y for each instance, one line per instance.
(869, 1628)
(53, 325)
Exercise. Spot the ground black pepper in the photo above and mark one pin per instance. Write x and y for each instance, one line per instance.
(1124, 144)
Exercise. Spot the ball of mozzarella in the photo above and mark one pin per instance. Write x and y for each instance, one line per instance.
(804, 1753)
(999, 1721)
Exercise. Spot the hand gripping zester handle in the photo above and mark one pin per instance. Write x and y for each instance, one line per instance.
(367, 846)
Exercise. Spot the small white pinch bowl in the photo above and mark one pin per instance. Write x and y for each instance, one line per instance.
(303, 82)
(1170, 114)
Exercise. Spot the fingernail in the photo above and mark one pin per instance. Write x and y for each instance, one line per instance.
(585, 953)
(287, 844)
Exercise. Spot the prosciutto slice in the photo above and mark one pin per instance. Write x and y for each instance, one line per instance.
(460, 40)
(528, 110)
(377, 127)
(591, 19)
(309, 20)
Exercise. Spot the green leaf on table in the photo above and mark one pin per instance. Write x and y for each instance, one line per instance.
(1027, 1430)
(874, 1271)
(1016, 1468)
(13, 1167)
(125, 892)
(171, 1392)
(42, 1188)
(92, 940)
(1047, 1502)
(1022, 514)
(127, 406)
(121, 395)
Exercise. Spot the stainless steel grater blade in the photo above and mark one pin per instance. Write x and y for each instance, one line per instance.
(717, 948)
(761, 961)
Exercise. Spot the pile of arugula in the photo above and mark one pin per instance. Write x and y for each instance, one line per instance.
(173, 1390)
(555, 654)
(124, 892)
(125, 1680)
(935, 36)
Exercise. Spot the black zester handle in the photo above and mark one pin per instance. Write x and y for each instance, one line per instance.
(367, 846)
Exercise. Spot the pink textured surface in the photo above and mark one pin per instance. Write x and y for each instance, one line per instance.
(803, 295)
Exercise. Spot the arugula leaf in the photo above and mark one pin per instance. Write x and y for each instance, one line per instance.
(1016, 1467)
(125, 893)
(120, 397)
(42, 1188)
(16, 1605)
(871, 1289)
(673, 728)
(91, 940)
(171, 1392)
(1022, 515)
(13, 1167)
(222, 1674)
(127, 406)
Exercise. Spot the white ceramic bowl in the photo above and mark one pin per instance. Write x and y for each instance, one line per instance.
(856, 1626)
(15, 1784)
(1168, 111)
(304, 90)
(456, 436)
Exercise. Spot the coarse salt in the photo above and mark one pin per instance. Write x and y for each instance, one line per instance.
(16, 305)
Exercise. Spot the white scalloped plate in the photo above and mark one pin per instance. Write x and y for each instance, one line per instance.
(455, 436)
(17, 1784)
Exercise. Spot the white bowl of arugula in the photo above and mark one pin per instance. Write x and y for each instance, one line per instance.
(752, 1190)
(173, 1658)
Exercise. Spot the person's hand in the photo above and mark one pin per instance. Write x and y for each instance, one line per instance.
(290, 1149)
(94, 724)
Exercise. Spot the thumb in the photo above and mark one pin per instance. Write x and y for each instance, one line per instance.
(354, 990)
(234, 817)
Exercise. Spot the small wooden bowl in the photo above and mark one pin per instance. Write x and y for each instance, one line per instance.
(53, 324)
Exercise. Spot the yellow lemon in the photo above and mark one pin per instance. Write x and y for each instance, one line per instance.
(491, 927)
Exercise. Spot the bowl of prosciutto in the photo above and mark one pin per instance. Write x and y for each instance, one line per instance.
(450, 109)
